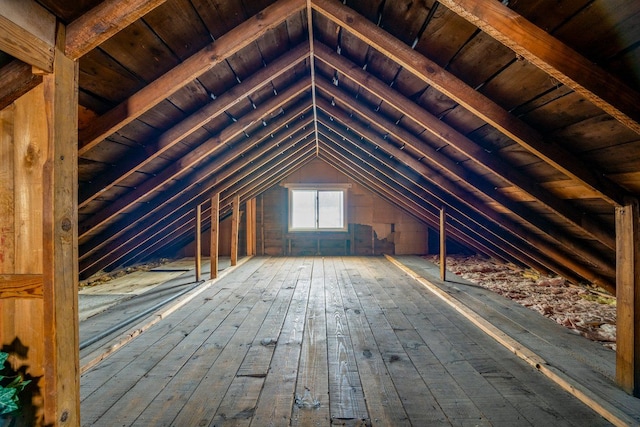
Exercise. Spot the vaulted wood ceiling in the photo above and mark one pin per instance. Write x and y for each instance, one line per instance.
(520, 117)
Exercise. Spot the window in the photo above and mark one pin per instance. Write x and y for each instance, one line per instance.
(317, 208)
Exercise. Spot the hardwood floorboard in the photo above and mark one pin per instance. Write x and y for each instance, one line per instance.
(320, 341)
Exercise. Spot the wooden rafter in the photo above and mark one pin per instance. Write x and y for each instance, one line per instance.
(464, 201)
(471, 179)
(172, 213)
(192, 123)
(203, 151)
(434, 75)
(102, 22)
(194, 66)
(186, 191)
(439, 130)
(391, 192)
(552, 56)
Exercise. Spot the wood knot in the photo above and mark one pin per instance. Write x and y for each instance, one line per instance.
(66, 224)
(31, 156)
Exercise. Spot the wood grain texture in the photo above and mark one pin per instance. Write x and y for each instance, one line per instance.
(102, 22)
(16, 79)
(21, 286)
(197, 64)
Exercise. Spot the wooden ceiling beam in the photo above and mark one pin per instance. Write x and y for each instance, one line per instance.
(533, 219)
(463, 200)
(173, 215)
(553, 57)
(227, 45)
(445, 82)
(192, 123)
(102, 22)
(194, 156)
(28, 33)
(16, 79)
(206, 171)
(444, 133)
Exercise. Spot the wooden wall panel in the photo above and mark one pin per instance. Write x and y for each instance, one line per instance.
(376, 225)
(23, 151)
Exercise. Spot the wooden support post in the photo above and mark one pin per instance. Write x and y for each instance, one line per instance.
(215, 226)
(628, 297)
(198, 250)
(251, 226)
(443, 244)
(235, 222)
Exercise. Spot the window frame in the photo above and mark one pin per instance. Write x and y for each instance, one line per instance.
(318, 187)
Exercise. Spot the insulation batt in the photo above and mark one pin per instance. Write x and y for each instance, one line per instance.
(589, 312)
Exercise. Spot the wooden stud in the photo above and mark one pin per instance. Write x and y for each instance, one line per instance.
(628, 297)
(198, 249)
(443, 244)
(215, 231)
(250, 208)
(235, 222)
(60, 335)
(102, 22)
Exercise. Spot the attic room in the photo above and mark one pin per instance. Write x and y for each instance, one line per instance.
(309, 167)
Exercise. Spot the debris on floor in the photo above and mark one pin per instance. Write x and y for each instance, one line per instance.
(589, 312)
(103, 276)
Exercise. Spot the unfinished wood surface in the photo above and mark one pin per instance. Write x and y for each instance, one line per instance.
(60, 241)
(214, 231)
(628, 297)
(28, 33)
(443, 243)
(21, 285)
(235, 226)
(102, 22)
(319, 341)
(551, 55)
(16, 79)
(198, 238)
(230, 43)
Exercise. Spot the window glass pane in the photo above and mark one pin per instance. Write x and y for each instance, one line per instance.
(330, 210)
(303, 209)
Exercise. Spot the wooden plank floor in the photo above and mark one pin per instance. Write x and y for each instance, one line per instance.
(318, 342)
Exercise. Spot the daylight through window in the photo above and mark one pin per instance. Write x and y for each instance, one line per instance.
(321, 209)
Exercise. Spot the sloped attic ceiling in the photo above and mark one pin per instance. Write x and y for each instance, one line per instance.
(496, 111)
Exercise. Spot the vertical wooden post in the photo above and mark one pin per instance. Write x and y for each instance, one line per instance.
(235, 222)
(198, 249)
(60, 232)
(251, 226)
(215, 226)
(443, 244)
(628, 297)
